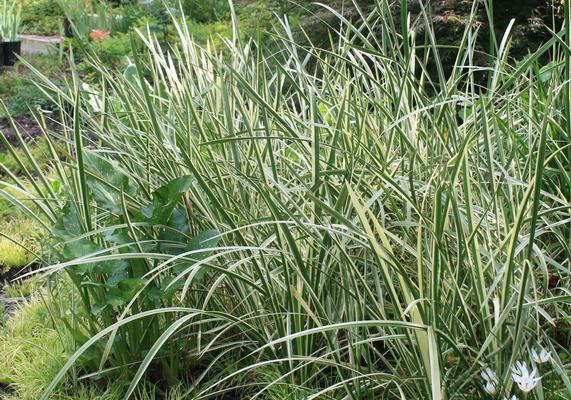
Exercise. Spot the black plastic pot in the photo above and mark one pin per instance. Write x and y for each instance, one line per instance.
(1, 53)
(11, 50)
(67, 30)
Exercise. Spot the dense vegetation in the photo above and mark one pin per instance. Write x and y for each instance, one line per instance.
(261, 216)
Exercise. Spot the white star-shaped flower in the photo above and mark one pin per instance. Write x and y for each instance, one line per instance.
(489, 375)
(490, 387)
(491, 380)
(542, 356)
(525, 380)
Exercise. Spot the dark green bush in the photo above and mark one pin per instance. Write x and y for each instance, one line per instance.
(42, 17)
(206, 10)
(113, 50)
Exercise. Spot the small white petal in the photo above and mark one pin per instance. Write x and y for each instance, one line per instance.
(490, 387)
(489, 375)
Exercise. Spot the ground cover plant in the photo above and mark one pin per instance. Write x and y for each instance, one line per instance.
(343, 223)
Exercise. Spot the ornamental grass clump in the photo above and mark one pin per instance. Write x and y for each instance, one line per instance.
(10, 19)
(321, 223)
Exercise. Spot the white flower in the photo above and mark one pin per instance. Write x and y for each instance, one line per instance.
(525, 380)
(490, 387)
(491, 380)
(489, 375)
(511, 398)
(542, 357)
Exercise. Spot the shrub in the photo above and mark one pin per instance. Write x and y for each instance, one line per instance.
(206, 10)
(41, 17)
(113, 50)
